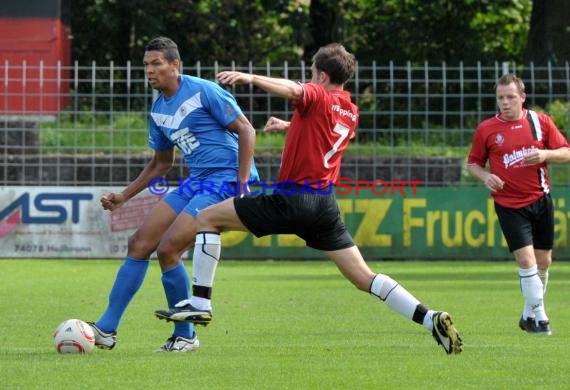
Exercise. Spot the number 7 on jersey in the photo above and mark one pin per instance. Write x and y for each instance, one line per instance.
(343, 131)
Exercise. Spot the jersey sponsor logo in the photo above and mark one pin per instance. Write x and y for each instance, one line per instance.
(185, 140)
(343, 112)
(516, 156)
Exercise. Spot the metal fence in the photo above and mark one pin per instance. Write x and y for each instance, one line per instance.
(86, 124)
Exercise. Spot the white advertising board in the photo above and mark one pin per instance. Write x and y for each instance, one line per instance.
(67, 222)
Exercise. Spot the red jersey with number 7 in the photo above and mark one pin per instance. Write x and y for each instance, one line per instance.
(505, 143)
(323, 123)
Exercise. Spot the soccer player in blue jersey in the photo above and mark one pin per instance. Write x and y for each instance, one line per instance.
(206, 124)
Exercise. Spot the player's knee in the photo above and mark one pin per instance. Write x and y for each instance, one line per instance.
(166, 247)
(140, 248)
(168, 254)
(543, 262)
(204, 219)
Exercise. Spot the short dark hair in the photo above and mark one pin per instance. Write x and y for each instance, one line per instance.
(508, 78)
(336, 61)
(166, 46)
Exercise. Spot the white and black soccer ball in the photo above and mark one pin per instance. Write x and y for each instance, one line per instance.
(74, 336)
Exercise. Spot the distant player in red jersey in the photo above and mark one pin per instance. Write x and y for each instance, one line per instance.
(518, 143)
(323, 122)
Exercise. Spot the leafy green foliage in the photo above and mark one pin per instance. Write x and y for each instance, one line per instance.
(240, 31)
(560, 112)
(501, 29)
(206, 31)
(440, 30)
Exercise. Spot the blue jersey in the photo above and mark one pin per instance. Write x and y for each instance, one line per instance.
(195, 120)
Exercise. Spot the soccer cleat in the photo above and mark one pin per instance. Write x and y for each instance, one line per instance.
(180, 344)
(543, 328)
(103, 340)
(445, 334)
(529, 325)
(185, 313)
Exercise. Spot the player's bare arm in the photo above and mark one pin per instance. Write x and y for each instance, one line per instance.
(276, 86)
(159, 165)
(246, 132)
(492, 182)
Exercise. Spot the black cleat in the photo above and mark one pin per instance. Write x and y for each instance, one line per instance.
(185, 313)
(529, 325)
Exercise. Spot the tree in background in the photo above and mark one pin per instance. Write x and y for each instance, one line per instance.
(105, 30)
(439, 30)
(290, 30)
(206, 30)
(549, 34)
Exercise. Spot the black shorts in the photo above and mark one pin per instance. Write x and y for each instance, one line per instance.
(529, 225)
(313, 217)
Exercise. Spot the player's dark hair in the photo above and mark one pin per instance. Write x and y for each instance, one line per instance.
(508, 78)
(166, 46)
(336, 61)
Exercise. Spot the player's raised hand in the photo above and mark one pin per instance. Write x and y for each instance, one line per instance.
(112, 201)
(276, 124)
(232, 77)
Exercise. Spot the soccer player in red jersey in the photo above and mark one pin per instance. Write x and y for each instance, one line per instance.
(322, 124)
(518, 143)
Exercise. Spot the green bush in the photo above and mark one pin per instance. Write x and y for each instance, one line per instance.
(559, 111)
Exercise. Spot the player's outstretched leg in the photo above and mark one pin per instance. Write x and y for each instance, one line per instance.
(445, 333)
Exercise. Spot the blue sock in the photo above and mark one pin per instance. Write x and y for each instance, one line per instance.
(177, 288)
(128, 281)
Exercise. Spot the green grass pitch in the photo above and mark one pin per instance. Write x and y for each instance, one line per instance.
(285, 325)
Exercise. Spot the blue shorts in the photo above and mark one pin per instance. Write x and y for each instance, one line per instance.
(192, 201)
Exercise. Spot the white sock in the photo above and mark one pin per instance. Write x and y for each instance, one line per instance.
(428, 320)
(394, 295)
(204, 262)
(527, 311)
(543, 275)
(531, 288)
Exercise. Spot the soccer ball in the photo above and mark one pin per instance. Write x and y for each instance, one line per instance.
(74, 336)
